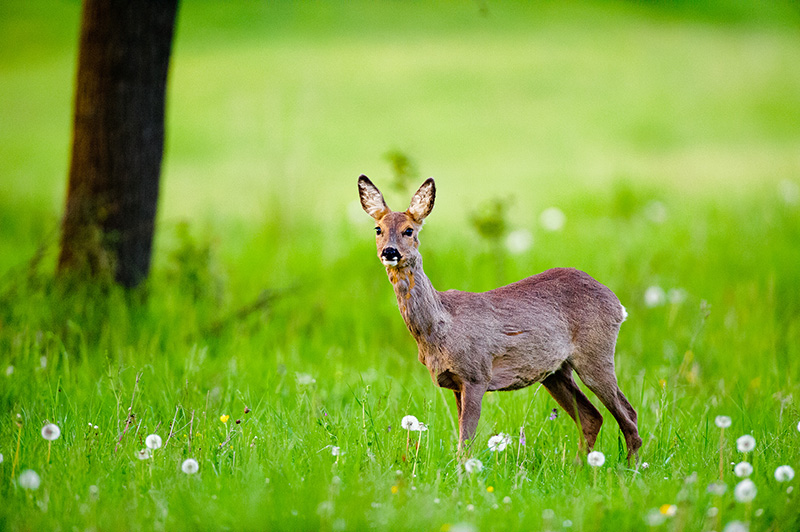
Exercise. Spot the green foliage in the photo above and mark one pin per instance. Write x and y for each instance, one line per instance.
(269, 306)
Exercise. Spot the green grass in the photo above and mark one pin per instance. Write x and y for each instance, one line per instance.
(606, 110)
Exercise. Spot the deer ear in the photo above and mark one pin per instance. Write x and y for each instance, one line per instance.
(422, 202)
(371, 198)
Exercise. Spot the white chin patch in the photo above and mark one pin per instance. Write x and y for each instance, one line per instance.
(389, 262)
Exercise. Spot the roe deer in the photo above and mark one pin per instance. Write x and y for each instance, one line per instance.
(535, 330)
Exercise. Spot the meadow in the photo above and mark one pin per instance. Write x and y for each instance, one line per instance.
(654, 146)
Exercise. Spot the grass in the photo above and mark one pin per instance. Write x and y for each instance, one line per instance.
(666, 137)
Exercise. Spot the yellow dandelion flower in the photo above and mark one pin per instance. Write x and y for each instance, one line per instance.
(395, 489)
(668, 509)
(224, 418)
(490, 489)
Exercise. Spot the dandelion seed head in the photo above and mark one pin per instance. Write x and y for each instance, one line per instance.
(722, 422)
(717, 488)
(784, 473)
(519, 241)
(506, 500)
(9, 371)
(548, 514)
(567, 523)
(712, 512)
(153, 442)
(654, 296)
(736, 526)
(745, 491)
(596, 459)
(745, 443)
(473, 465)
(1, 458)
(143, 454)
(51, 432)
(743, 469)
(552, 219)
(645, 465)
(470, 507)
(190, 466)
(29, 480)
(499, 442)
(409, 423)
(655, 518)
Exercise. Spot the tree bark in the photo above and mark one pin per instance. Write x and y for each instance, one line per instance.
(118, 138)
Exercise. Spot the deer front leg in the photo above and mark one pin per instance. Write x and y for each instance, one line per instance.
(470, 411)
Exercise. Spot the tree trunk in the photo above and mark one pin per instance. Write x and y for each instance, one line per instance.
(118, 138)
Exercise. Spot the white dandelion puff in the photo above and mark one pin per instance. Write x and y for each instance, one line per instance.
(51, 432)
(519, 241)
(9, 371)
(29, 480)
(717, 488)
(736, 526)
(190, 466)
(473, 465)
(144, 454)
(552, 219)
(409, 423)
(743, 469)
(745, 491)
(596, 459)
(153, 442)
(335, 451)
(654, 296)
(784, 473)
(722, 422)
(745, 443)
(798, 426)
(499, 442)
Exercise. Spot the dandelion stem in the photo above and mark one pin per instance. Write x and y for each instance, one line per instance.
(721, 460)
(16, 454)
(49, 446)
(408, 438)
(416, 457)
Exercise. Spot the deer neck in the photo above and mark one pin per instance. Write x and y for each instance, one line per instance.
(420, 304)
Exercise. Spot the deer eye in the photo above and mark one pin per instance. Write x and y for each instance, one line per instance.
(408, 232)
(378, 230)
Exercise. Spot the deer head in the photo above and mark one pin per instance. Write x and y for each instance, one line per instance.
(396, 233)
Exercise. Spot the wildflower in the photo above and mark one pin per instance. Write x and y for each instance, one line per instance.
(499, 442)
(153, 442)
(490, 489)
(722, 422)
(645, 465)
(335, 451)
(190, 466)
(224, 418)
(596, 459)
(51, 432)
(522, 439)
(552, 219)
(304, 379)
(506, 500)
(654, 296)
(743, 469)
(29, 480)
(553, 414)
(421, 427)
(395, 489)
(519, 241)
(784, 473)
(668, 509)
(473, 465)
(717, 488)
(745, 491)
(736, 526)
(144, 454)
(470, 507)
(745, 443)
(409, 423)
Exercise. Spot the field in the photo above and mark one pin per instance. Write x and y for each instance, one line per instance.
(267, 344)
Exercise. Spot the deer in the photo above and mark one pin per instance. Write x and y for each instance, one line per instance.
(536, 330)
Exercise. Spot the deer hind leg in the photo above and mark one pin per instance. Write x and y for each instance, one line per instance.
(601, 379)
(569, 396)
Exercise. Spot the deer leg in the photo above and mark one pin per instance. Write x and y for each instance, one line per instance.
(458, 405)
(602, 380)
(470, 412)
(569, 396)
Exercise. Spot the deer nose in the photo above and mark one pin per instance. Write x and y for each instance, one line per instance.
(390, 255)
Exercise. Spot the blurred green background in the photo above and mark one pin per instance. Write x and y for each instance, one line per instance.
(666, 133)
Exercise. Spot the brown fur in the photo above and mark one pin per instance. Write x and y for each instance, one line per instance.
(535, 330)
